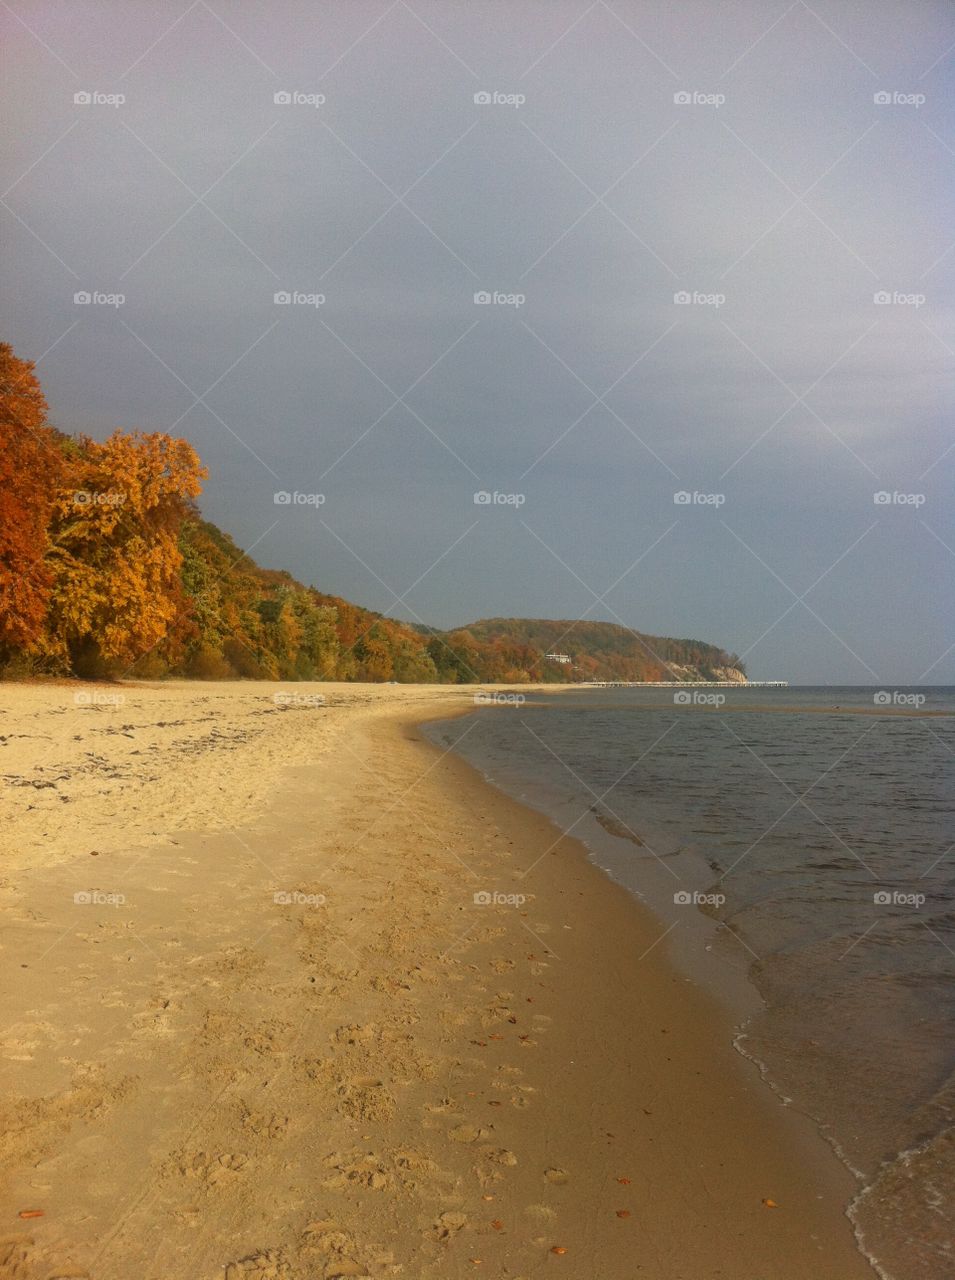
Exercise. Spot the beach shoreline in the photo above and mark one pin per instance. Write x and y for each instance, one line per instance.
(321, 1036)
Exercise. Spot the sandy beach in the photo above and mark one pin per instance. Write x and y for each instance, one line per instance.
(290, 994)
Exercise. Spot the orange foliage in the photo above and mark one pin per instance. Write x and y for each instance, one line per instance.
(115, 552)
(29, 469)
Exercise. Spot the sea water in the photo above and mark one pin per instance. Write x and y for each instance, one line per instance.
(799, 843)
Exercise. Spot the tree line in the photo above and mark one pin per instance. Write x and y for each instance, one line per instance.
(107, 569)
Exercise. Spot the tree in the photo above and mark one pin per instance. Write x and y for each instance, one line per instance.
(114, 547)
(30, 467)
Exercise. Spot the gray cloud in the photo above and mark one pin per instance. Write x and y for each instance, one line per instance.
(784, 386)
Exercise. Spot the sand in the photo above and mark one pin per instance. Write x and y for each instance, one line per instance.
(278, 1035)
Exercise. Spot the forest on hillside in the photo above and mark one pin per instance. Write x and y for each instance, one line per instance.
(108, 570)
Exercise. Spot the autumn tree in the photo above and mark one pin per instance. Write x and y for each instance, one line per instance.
(375, 658)
(30, 467)
(114, 547)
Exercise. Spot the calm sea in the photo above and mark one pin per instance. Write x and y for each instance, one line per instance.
(798, 846)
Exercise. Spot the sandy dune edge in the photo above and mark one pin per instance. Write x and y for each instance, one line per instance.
(292, 1045)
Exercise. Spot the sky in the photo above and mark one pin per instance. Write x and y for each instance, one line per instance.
(637, 312)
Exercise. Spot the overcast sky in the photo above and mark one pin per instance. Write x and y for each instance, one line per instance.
(783, 197)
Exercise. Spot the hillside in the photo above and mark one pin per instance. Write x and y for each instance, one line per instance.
(108, 569)
(241, 619)
(608, 651)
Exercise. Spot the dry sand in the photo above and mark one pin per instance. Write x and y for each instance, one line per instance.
(370, 1074)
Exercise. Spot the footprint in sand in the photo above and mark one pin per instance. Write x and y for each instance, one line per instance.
(499, 1155)
(270, 1265)
(358, 1169)
(366, 1098)
(447, 1225)
(15, 1258)
(516, 1099)
(214, 1170)
(540, 1212)
(441, 1107)
(339, 1250)
(417, 1172)
(355, 1034)
(237, 959)
(259, 1122)
(467, 1133)
(157, 1019)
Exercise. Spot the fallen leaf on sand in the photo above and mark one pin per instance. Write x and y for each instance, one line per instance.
(558, 1248)
(623, 1213)
(624, 1182)
(770, 1204)
(497, 1224)
(30, 1213)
